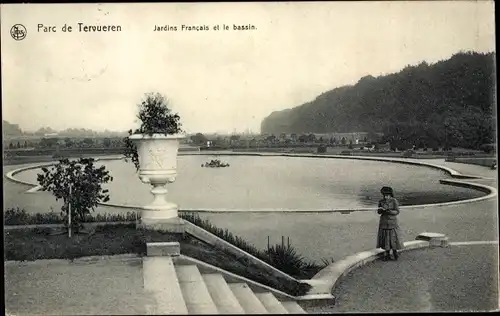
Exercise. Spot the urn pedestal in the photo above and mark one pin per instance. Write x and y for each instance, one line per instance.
(158, 167)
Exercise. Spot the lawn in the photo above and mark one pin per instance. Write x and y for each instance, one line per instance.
(41, 243)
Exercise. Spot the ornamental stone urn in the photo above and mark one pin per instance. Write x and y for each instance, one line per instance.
(158, 166)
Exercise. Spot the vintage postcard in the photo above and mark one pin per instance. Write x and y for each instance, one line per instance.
(268, 157)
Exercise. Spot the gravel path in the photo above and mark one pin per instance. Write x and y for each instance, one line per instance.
(458, 278)
(103, 288)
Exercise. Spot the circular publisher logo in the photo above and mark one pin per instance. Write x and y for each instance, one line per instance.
(18, 32)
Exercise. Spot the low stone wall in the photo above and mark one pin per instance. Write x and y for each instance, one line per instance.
(487, 161)
(326, 280)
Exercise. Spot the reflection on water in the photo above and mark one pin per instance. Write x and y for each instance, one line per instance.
(283, 183)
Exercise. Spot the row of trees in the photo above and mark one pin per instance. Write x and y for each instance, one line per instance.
(90, 142)
(235, 140)
(449, 103)
(68, 142)
(10, 129)
(311, 138)
(18, 145)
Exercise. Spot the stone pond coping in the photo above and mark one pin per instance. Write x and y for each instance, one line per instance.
(327, 279)
(491, 192)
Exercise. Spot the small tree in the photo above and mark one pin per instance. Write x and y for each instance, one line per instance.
(199, 139)
(77, 183)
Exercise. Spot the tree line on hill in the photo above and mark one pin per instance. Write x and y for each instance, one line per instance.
(450, 103)
(12, 130)
(67, 142)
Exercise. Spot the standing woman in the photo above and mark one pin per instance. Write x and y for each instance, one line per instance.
(388, 230)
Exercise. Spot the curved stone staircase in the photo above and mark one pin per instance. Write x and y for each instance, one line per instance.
(179, 287)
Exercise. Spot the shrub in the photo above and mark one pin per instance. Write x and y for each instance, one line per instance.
(284, 258)
(128, 217)
(321, 149)
(450, 156)
(18, 216)
(408, 153)
(156, 117)
(326, 262)
(488, 148)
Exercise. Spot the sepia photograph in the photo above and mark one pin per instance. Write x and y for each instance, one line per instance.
(249, 157)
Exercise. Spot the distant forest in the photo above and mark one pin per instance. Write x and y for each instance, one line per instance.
(449, 103)
(12, 130)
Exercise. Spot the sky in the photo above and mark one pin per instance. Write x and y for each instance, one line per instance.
(218, 80)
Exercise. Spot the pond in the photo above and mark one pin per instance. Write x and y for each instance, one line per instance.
(282, 183)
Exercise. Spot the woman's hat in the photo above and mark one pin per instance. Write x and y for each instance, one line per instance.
(386, 190)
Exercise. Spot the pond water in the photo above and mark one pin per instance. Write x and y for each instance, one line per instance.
(286, 183)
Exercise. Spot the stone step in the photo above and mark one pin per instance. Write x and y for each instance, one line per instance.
(160, 279)
(221, 294)
(293, 307)
(247, 299)
(271, 303)
(194, 290)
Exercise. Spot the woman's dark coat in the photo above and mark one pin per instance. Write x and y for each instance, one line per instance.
(388, 219)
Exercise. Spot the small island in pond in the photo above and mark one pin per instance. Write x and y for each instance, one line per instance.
(215, 163)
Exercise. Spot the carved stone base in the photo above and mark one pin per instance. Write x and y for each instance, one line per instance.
(152, 212)
(171, 225)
